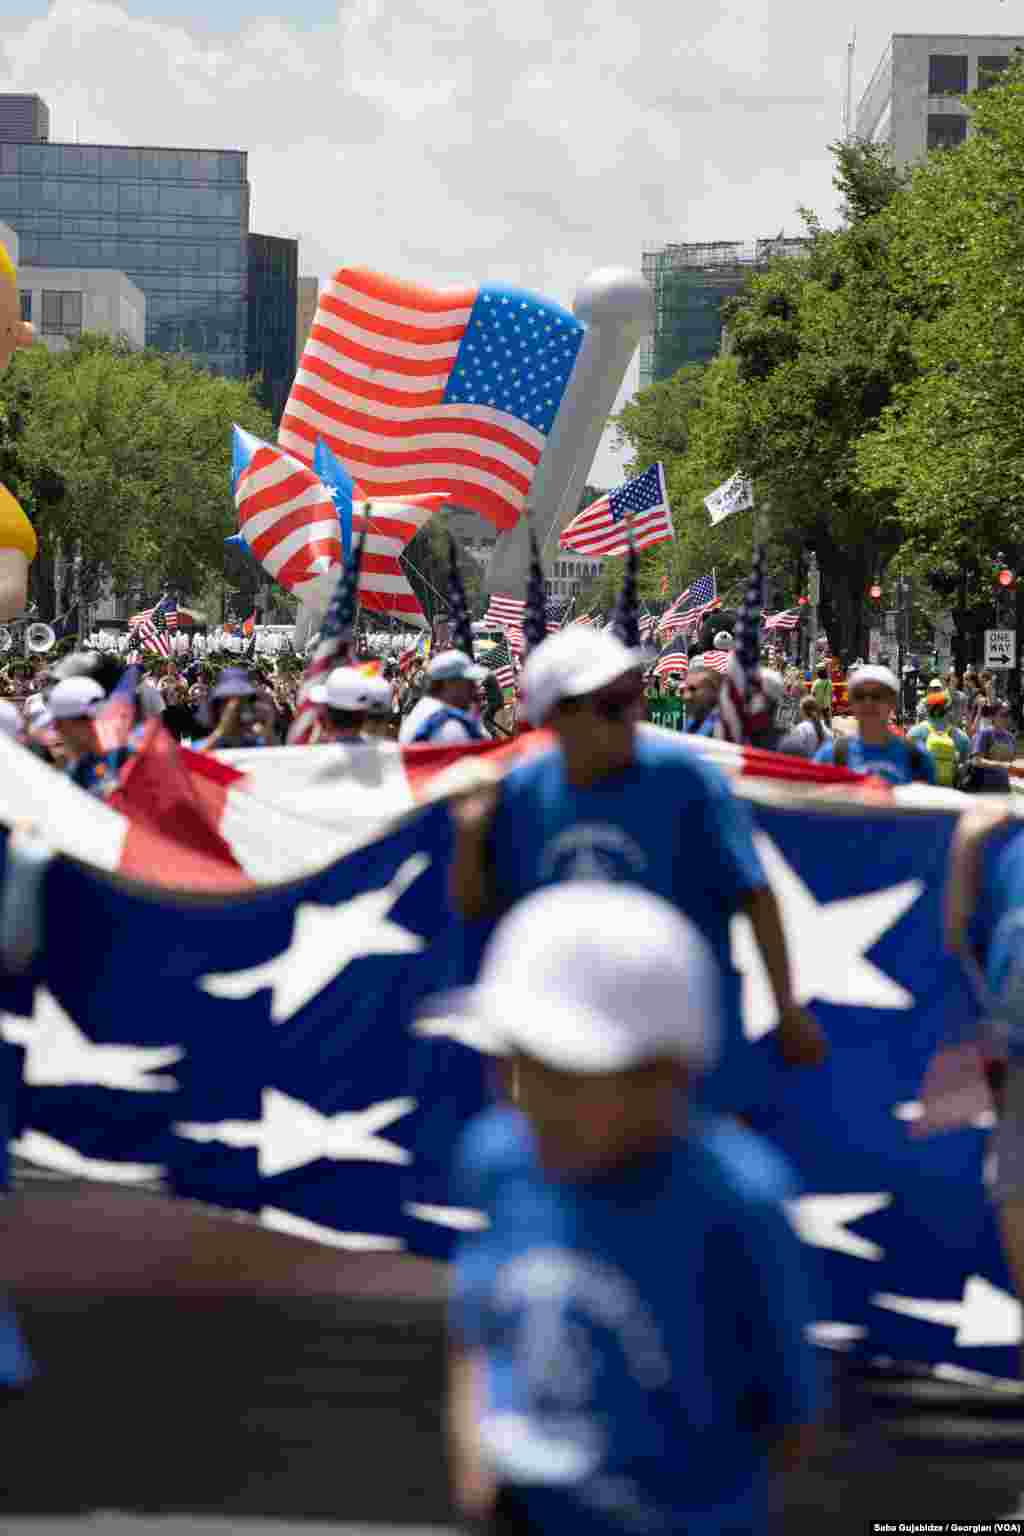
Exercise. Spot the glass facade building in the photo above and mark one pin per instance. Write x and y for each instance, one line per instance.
(273, 277)
(175, 221)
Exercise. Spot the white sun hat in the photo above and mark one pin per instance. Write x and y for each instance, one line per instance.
(616, 977)
(572, 663)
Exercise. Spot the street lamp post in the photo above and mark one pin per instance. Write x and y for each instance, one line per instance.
(813, 598)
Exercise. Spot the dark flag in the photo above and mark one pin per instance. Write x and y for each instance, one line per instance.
(333, 649)
(460, 632)
(535, 619)
(625, 624)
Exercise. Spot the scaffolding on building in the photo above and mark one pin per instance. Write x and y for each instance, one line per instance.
(690, 283)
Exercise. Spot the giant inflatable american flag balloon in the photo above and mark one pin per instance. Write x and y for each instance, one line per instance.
(288, 519)
(418, 389)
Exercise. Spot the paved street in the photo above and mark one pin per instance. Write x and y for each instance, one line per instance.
(201, 1525)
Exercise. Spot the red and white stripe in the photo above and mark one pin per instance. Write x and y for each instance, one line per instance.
(156, 641)
(221, 823)
(676, 665)
(503, 609)
(674, 624)
(371, 383)
(790, 619)
(291, 525)
(594, 532)
(716, 661)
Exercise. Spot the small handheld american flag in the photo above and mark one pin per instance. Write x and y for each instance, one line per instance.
(535, 613)
(333, 649)
(601, 528)
(743, 707)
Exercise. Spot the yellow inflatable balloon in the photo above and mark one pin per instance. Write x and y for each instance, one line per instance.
(17, 536)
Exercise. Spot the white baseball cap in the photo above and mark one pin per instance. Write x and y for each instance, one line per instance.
(874, 674)
(345, 688)
(572, 663)
(379, 690)
(773, 685)
(73, 699)
(10, 718)
(454, 666)
(616, 977)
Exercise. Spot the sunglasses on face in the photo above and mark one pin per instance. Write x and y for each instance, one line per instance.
(874, 697)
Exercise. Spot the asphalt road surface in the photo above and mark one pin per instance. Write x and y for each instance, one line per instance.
(207, 1378)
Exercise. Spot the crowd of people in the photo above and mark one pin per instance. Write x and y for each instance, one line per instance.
(593, 1388)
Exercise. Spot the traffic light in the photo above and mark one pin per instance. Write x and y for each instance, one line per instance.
(1006, 578)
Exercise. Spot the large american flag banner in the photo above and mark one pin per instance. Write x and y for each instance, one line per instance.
(289, 519)
(419, 389)
(600, 529)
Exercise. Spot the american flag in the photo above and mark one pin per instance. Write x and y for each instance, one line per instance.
(790, 619)
(742, 706)
(333, 649)
(497, 658)
(503, 609)
(587, 618)
(152, 630)
(458, 612)
(673, 660)
(556, 610)
(647, 623)
(600, 529)
(114, 720)
(417, 389)
(288, 518)
(691, 606)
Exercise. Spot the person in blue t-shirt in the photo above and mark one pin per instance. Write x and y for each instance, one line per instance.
(873, 695)
(984, 921)
(628, 1332)
(614, 802)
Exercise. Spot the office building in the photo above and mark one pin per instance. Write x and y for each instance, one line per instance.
(307, 295)
(61, 304)
(175, 221)
(271, 298)
(912, 102)
(24, 120)
(691, 282)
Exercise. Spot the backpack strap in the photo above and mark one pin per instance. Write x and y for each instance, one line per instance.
(433, 723)
(918, 767)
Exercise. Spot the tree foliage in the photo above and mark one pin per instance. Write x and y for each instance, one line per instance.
(125, 457)
(871, 386)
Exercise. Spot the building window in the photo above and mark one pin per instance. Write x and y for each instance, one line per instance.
(947, 74)
(989, 71)
(62, 313)
(946, 131)
(25, 301)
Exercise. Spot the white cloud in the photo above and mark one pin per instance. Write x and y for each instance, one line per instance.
(446, 140)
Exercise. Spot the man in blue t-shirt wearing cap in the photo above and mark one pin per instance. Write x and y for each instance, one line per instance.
(628, 1331)
(612, 802)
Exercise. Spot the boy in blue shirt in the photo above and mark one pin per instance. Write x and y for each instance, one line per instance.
(612, 801)
(628, 1333)
(873, 694)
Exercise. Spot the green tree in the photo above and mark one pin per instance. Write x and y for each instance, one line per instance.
(125, 457)
(948, 447)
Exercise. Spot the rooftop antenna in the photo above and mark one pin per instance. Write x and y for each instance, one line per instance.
(848, 104)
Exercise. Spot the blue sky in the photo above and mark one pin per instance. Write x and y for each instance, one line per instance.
(454, 141)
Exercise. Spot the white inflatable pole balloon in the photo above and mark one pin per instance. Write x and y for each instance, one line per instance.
(617, 308)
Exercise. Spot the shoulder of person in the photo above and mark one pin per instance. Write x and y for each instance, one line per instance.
(744, 1165)
(826, 752)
